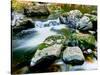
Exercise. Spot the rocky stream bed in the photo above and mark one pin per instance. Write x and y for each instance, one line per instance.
(65, 43)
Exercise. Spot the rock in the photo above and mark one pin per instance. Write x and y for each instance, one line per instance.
(86, 41)
(88, 52)
(25, 34)
(71, 42)
(42, 64)
(38, 10)
(53, 22)
(42, 46)
(23, 25)
(92, 32)
(93, 19)
(62, 20)
(73, 56)
(54, 15)
(58, 28)
(84, 24)
(95, 54)
(94, 12)
(55, 39)
(16, 18)
(45, 57)
(72, 18)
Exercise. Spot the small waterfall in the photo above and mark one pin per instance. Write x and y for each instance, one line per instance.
(48, 23)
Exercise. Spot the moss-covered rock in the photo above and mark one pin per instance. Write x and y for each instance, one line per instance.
(55, 39)
(42, 45)
(85, 40)
(44, 58)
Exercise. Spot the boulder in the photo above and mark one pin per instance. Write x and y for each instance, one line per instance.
(86, 41)
(62, 19)
(71, 18)
(94, 12)
(23, 25)
(93, 19)
(16, 18)
(25, 34)
(84, 24)
(58, 28)
(37, 10)
(42, 64)
(55, 39)
(45, 57)
(88, 52)
(71, 42)
(73, 56)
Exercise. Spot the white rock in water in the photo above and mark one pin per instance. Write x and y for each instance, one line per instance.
(73, 56)
(51, 50)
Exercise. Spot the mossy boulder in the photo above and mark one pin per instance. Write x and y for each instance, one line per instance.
(42, 45)
(85, 40)
(55, 39)
(45, 57)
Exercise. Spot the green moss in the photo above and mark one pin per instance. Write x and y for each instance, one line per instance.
(67, 32)
(67, 7)
(55, 39)
(42, 45)
(87, 40)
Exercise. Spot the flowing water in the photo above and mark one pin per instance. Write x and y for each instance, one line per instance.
(26, 42)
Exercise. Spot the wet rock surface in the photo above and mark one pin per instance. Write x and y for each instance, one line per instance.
(23, 25)
(51, 50)
(45, 57)
(71, 18)
(42, 64)
(73, 56)
(84, 24)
